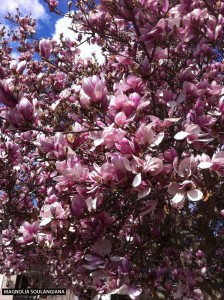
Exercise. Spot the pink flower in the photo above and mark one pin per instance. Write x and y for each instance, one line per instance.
(193, 133)
(112, 136)
(186, 167)
(71, 171)
(53, 211)
(14, 118)
(52, 4)
(137, 166)
(101, 254)
(121, 119)
(93, 90)
(181, 190)
(125, 146)
(97, 226)
(21, 66)
(26, 109)
(55, 146)
(216, 163)
(45, 48)
(29, 231)
(78, 206)
(145, 135)
(6, 95)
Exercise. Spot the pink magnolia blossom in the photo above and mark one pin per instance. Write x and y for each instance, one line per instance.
(71, 171)
(123, 103)
(97, 226)
(29, 231)
(193, 133)
(56, 146)
(78, 206)
(53, 211)
(93, 90)
(186, 167)
(14, 118)
(182, 190)
(6, 95)
(26, 109)
(52, 4)
(145, 135)
(121, 119)
(152, 165)
(45, 46)
(101, 253)
(216, 164)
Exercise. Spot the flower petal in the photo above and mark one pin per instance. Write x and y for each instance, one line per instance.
(137, 180)
(185, 167)
(45, 221)
(173, 188)
(89, 267)
(219, 154)
(115, 258)
(194, 195)
(102, 248)
(204, 165)
(178, 198)
(158, 139)
(181, 135)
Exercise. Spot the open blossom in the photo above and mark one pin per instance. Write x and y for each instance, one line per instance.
(97, 226)
(193, 133)
(53, 211)
(93, 90)
(215, 164)
(137, 166)
(101, 253)
(180, 191)
(71, 171)
(56, 146)
(29, 231)
(122, 103)
(146, 136)
(186, 167)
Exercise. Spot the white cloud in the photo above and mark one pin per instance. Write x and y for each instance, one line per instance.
(34, 7)
(15, 55)
(61, 26)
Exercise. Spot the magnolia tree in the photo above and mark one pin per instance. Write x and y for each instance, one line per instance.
(112, 174)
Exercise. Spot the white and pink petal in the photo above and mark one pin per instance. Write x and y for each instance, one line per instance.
(194, 195)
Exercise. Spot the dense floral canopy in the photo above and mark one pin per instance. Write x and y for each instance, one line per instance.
(111, 174)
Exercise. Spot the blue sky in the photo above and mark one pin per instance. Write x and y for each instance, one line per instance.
(49, 25)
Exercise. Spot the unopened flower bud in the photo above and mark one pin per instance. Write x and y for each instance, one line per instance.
(13, 65)
(21, 66)
(26, 109)
(79, 37)
(45, 48)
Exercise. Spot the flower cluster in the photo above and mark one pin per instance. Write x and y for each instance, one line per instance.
(111, 174)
